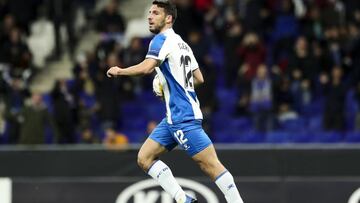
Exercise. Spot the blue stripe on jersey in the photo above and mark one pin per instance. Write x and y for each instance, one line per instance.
(180, 106)
(193, 95)
(156, 44)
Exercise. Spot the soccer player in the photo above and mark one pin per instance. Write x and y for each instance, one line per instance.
(178, 70)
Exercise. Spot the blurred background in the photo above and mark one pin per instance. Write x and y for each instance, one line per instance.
(281, 85)
(276, 70)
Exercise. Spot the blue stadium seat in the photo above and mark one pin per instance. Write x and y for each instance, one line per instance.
(315, 108)
(135, 123)
(135, 136)
(327, 137)
(47, 99)
(301, 136)
(226, 136)
(220, 121)
(240, 124)
(250, 136)
(353, 137)
(278, 137)
(293, 124)
(315, 123)
(147, 96)
(155, 111)
(130, 110)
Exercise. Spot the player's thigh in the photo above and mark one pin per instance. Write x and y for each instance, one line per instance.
(209, 162)
(150, 150)
(159, 142)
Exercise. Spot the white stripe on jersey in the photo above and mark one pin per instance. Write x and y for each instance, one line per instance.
(166, 93)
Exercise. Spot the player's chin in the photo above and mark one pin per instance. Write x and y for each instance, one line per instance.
(153, 30)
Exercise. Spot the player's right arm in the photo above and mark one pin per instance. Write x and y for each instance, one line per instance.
(147, 66)
(198, 77)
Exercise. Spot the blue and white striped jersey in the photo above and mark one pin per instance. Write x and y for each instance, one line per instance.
(177, 63)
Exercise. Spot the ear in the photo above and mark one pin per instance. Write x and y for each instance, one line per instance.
(168, 19)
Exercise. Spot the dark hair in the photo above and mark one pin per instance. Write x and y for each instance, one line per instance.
(168, 6)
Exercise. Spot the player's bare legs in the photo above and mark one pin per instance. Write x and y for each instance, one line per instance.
(209, 162)
(149, 152)
(211, 165)
(149, 162)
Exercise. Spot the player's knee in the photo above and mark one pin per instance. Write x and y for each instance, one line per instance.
(141, 161)
(144, 162)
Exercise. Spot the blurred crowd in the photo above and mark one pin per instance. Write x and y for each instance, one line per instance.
(264, 61)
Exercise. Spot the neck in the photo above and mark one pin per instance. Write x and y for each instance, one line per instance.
(166, 27)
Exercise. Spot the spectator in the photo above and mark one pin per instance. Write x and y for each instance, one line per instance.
(285, 113)
(24, 12)
(188, 18)
(283, 95)
(335, 92)
(232, 37)
(63, 12)
(252, 54)
(63, 102)
(242, 105)
(15, 94)
(312, 26)
(115, 140)
(151, 126)
(110, 22)
(134, 54)
(108, 103)
(87, 136)
(261, 99)
(34, 118)
(15, 52)
(302, 60)
(7, 24)
(256, 15)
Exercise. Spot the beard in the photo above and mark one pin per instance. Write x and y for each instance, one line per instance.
(157, 28)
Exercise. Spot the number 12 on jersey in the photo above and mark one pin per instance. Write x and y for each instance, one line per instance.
(185, 62)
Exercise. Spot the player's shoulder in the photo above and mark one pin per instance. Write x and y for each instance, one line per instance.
(158, 41)
(159, 38)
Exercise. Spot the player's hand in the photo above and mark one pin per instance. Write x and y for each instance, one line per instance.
(113, 71)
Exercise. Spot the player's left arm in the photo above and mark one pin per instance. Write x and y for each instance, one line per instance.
(147, 66)
(198, 77)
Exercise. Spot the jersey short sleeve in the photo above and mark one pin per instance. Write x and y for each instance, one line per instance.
(158, 48)
(194, 63)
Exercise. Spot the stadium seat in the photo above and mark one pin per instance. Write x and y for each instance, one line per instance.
(240, 124)
(155, 111)
(315, 108)
(135, 136)
(315, 123)
(301, 136)
(250, 136)
(130, 110)
(293, 124)
(352, 137)
(278, 137)
(147, 96)
(220, 121)
(327, 137)
(48, 101)
(135, 123)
